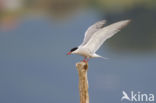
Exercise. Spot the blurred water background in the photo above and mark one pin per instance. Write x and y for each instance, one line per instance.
(35, 36)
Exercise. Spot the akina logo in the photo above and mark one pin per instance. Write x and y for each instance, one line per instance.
(137, 96)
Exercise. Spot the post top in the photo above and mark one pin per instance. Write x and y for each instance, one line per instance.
(82, 65)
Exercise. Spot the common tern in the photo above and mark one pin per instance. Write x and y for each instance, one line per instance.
(95, 36)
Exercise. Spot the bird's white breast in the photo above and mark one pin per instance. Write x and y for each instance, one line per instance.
(84, 52)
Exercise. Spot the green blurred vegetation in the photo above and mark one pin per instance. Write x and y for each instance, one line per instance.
(140, 34)
(66, 7)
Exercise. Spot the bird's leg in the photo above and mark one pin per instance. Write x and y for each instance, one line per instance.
(84, 60)
(87, 59)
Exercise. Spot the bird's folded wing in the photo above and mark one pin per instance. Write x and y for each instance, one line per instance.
(91, 30)
(99, 37)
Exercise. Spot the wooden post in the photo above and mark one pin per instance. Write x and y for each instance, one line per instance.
(82, 68)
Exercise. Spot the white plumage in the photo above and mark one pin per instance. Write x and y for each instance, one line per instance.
(95, 36)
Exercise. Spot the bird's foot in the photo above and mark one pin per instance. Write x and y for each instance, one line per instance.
(84, 60)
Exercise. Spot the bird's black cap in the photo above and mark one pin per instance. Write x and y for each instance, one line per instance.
(73, 49)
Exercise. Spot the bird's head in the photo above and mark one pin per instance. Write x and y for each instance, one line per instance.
(72, 51)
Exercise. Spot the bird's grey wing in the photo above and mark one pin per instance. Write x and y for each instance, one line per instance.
(91, 30)
(99, 37)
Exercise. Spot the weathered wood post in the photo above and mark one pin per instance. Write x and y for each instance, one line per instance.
(82, 68)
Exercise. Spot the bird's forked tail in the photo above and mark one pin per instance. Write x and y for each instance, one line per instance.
(98, 56)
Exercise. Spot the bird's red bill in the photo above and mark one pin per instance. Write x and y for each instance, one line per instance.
(68, 53)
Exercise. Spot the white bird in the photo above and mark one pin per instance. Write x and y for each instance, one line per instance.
(95, 36)
(125, 96)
